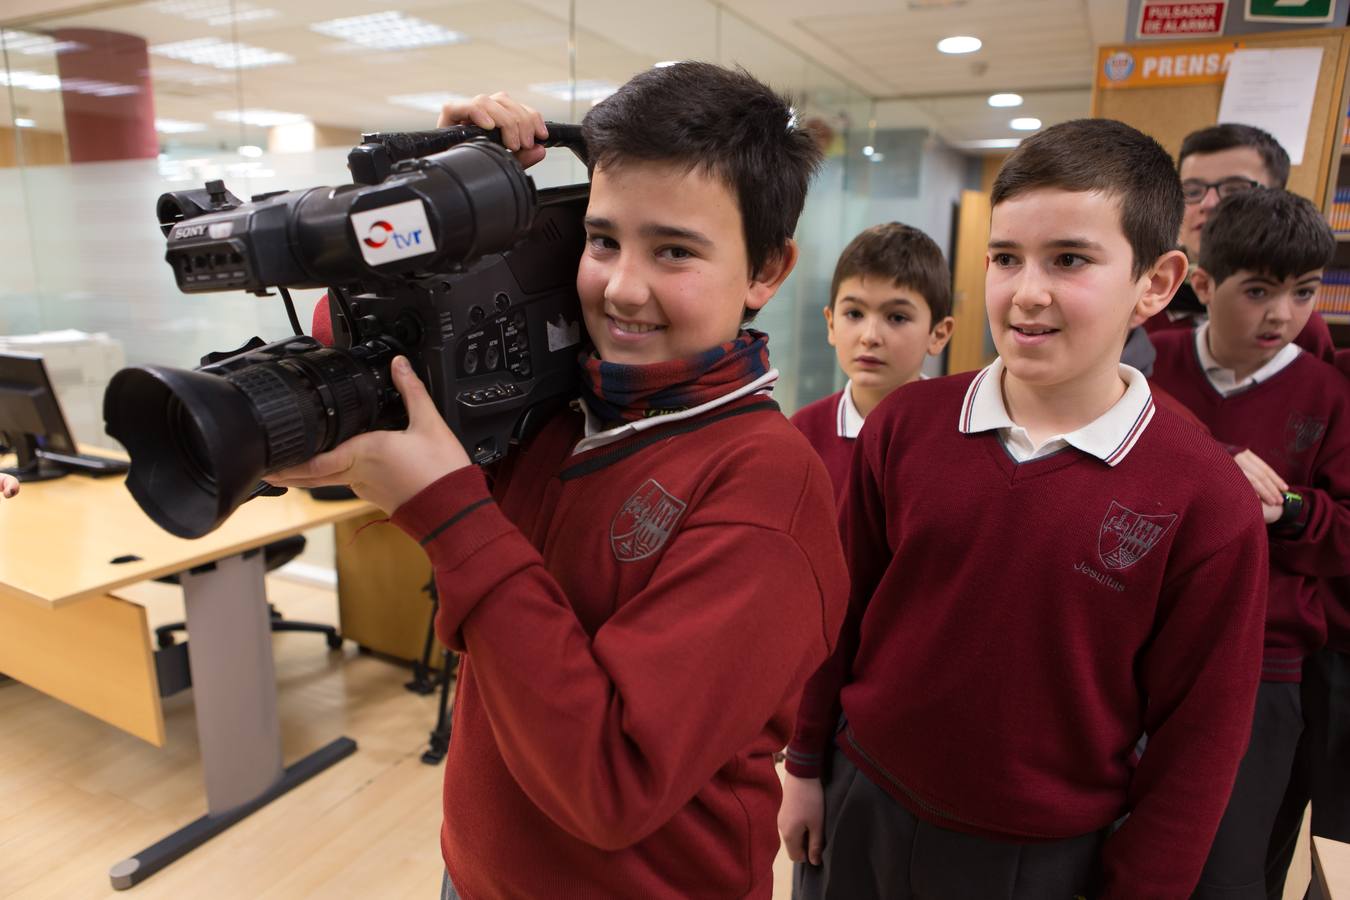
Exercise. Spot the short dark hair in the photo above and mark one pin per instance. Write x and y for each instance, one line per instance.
(1217, 138)
(900, 254)
(1271, 232)
(725, 121)
(1108, 157)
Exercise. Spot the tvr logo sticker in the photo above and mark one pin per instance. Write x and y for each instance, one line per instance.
(390, 233)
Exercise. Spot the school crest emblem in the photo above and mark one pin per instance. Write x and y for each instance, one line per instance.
(1301, 433)
(1125, 536)
(645, 522)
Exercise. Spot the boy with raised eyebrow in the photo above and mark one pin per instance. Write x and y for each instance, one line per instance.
(1242, 375)
(647, 584)
(987, 706)
(890, 308)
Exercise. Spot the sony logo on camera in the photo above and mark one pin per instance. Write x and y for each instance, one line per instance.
(395, 232)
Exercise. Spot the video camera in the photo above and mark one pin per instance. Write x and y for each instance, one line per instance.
(441, 250)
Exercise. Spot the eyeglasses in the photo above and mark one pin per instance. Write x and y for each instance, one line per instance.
(1193, 190)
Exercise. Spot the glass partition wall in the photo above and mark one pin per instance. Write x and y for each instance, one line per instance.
(102, 111)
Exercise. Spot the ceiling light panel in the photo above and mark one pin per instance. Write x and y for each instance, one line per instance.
(388, 31)
(426, 102)
(1005, 100)
(41, 81)
(586, 89)
(30, 44)
(220, 54)
(1027, 123)
(263, 118)
(177, 126)
(215, 12)
(961, 43)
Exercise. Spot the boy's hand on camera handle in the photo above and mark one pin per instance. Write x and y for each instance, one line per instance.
(388, 468)
(801, 818)
(521, 126)
(1266, 480)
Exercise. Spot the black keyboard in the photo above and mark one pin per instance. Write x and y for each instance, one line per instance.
(86, 465)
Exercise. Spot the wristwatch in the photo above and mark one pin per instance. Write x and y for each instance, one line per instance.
(1289, 524)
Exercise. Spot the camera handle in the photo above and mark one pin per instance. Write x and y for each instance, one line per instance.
(371, 162)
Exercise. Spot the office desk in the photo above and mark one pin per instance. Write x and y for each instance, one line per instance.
(68, 542)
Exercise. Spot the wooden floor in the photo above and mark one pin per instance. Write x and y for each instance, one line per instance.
(76, 795)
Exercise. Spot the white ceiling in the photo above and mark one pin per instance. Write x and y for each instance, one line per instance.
(860, 48)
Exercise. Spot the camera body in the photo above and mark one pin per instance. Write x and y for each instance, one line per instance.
(454, 260)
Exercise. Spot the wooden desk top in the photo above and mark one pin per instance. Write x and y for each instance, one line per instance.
(58, 538)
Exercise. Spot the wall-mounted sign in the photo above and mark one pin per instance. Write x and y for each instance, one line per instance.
(1290, 12)
(1142, 65)
(1180, 20)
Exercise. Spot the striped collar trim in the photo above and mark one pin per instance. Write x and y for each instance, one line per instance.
(1109, 437)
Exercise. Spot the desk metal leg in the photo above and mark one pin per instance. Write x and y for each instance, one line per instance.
(234, 692)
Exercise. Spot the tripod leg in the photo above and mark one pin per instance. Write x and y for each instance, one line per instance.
(440, 735)
(421, 682)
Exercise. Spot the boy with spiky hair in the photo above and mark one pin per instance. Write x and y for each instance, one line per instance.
(1260, 268)
(890, 308)
(1215, 163)
(979, 714)
(648, 583)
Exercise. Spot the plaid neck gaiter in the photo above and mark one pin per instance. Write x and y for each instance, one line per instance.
(618, 393)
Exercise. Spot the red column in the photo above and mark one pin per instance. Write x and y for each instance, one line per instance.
(105, 89)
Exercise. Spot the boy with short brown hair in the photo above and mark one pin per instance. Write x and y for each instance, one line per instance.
(890, 308)
(649, 581)
(980, 712)
(1241, 374)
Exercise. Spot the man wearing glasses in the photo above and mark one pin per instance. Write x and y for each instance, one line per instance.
(1217, 162)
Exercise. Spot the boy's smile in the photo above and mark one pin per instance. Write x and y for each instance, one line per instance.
(665, 273)
(1253, 316)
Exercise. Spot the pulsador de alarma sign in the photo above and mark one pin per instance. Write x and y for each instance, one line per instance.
(1181, 20)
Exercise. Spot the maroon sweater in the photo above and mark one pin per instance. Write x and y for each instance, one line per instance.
(1298, 421)
(638, 621)
(819, 421)
(999, 661)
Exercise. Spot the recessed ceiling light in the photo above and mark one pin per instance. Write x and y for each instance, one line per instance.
(250, 151)
(1027, 123)
(33, 81)
(31, 44)
(868, 150)
(587, 89)
(177, 126)
(989, 144)
(263, 118)
(1002, 100)
(961, 43)
(215, 12)
(24, 123)
(221, 54)
(388, 31)
(666, 63)
(427, 102)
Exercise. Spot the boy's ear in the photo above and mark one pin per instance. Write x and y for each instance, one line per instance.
(765, 283)
(1204, 285)
(829, 324)
(940, 335)
(1160, 283)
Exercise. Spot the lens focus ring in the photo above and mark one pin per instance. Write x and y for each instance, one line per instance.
(288, 412)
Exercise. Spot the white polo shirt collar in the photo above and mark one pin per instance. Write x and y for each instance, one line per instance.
(848, 421)
(1109, 437)
(1225, 380)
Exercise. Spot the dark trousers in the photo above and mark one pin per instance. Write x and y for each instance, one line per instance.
(875, 850)
(1321, 765)
(1236, 867)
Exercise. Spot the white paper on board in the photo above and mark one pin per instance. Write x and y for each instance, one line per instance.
(1273, 89)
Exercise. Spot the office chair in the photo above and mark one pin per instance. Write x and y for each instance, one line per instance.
(275, 555)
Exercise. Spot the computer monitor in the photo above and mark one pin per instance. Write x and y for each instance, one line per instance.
(31, 418)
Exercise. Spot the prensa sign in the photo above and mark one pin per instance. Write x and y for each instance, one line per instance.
(1180, 20)
(1144, 65)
